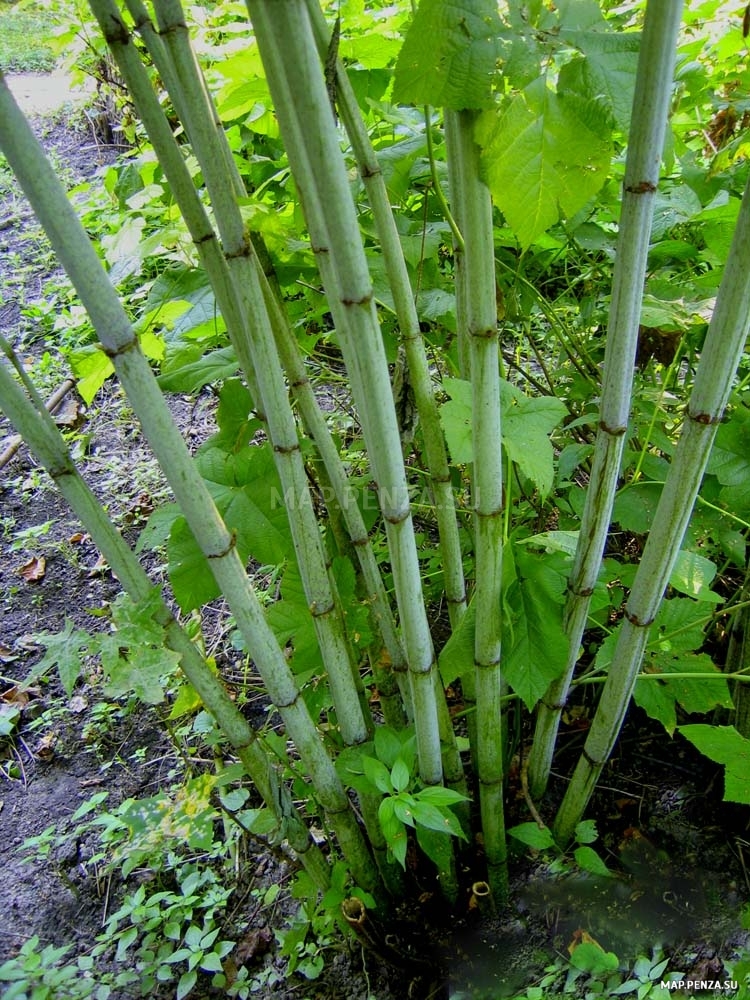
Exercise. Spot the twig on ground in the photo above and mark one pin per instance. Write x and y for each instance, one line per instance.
(52, 404)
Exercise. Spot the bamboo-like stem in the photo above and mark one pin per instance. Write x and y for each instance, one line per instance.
(478, 323)
(162, 60)
(408, 323)
(209, 251)
(202, 233)
(738, 659)
(438, 469)
(46, 443)
(257, 343)
(290, 58)
(459, 260)
(720, 357)
(650, 108)
(352, 721)
(118, 339)
(344, 496)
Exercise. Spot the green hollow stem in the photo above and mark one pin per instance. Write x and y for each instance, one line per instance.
(120, 343)
(725, 341)
(257, 351)
(442, 491)
(161, 57)
(45, 441)
(738, 660)
(392, 702)
(408, 321)
(343, 680)
(477, 323)
(290, 58)
(650, 109)
(211, 257)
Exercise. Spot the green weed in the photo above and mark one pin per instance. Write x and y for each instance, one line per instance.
(24, 40)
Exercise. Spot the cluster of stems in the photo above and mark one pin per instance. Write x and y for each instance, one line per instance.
(651, 101)
(294, 43)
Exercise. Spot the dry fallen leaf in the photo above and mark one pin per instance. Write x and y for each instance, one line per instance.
(33, 570)
(78, 538)
(15, 696)
(256, 942)
(100, 567)
(582, 936)
(69, 414)
(78, 704)
(45, 748)
(27, 643)
(6, 655)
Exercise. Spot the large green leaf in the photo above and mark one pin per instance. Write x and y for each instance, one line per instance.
(246, 489)
(136, 622)
(189, 369)
(455, 416)
(730, 460)
(527, 422)
(531, 834)
(692, 575)
(675, 636)
(92, 368)
(635, 506)
(534, 641)
(448, 56)
(724, 745)
(660, 698)
(65, 650)
(544, 155)
(190, 575)
(292, 622)
(141, 671)
(457, 655)
(606, 69)
(260, 531)
(181, 299)
(237, 425)
(356, 612)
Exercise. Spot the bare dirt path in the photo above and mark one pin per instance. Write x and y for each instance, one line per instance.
(48, 93)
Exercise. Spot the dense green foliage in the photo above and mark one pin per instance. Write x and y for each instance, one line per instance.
(25, 39)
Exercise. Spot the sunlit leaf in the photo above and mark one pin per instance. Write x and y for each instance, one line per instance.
(448, 56)
(692, 575)
(544, 155)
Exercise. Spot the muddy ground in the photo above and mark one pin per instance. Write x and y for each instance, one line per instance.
(679, 852)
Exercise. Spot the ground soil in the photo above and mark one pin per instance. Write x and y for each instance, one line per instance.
(678, 851)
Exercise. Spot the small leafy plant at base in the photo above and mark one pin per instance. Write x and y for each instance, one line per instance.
(41, 974)
(318, 924)
(172, 934)
(539, 838)
(595, 974)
